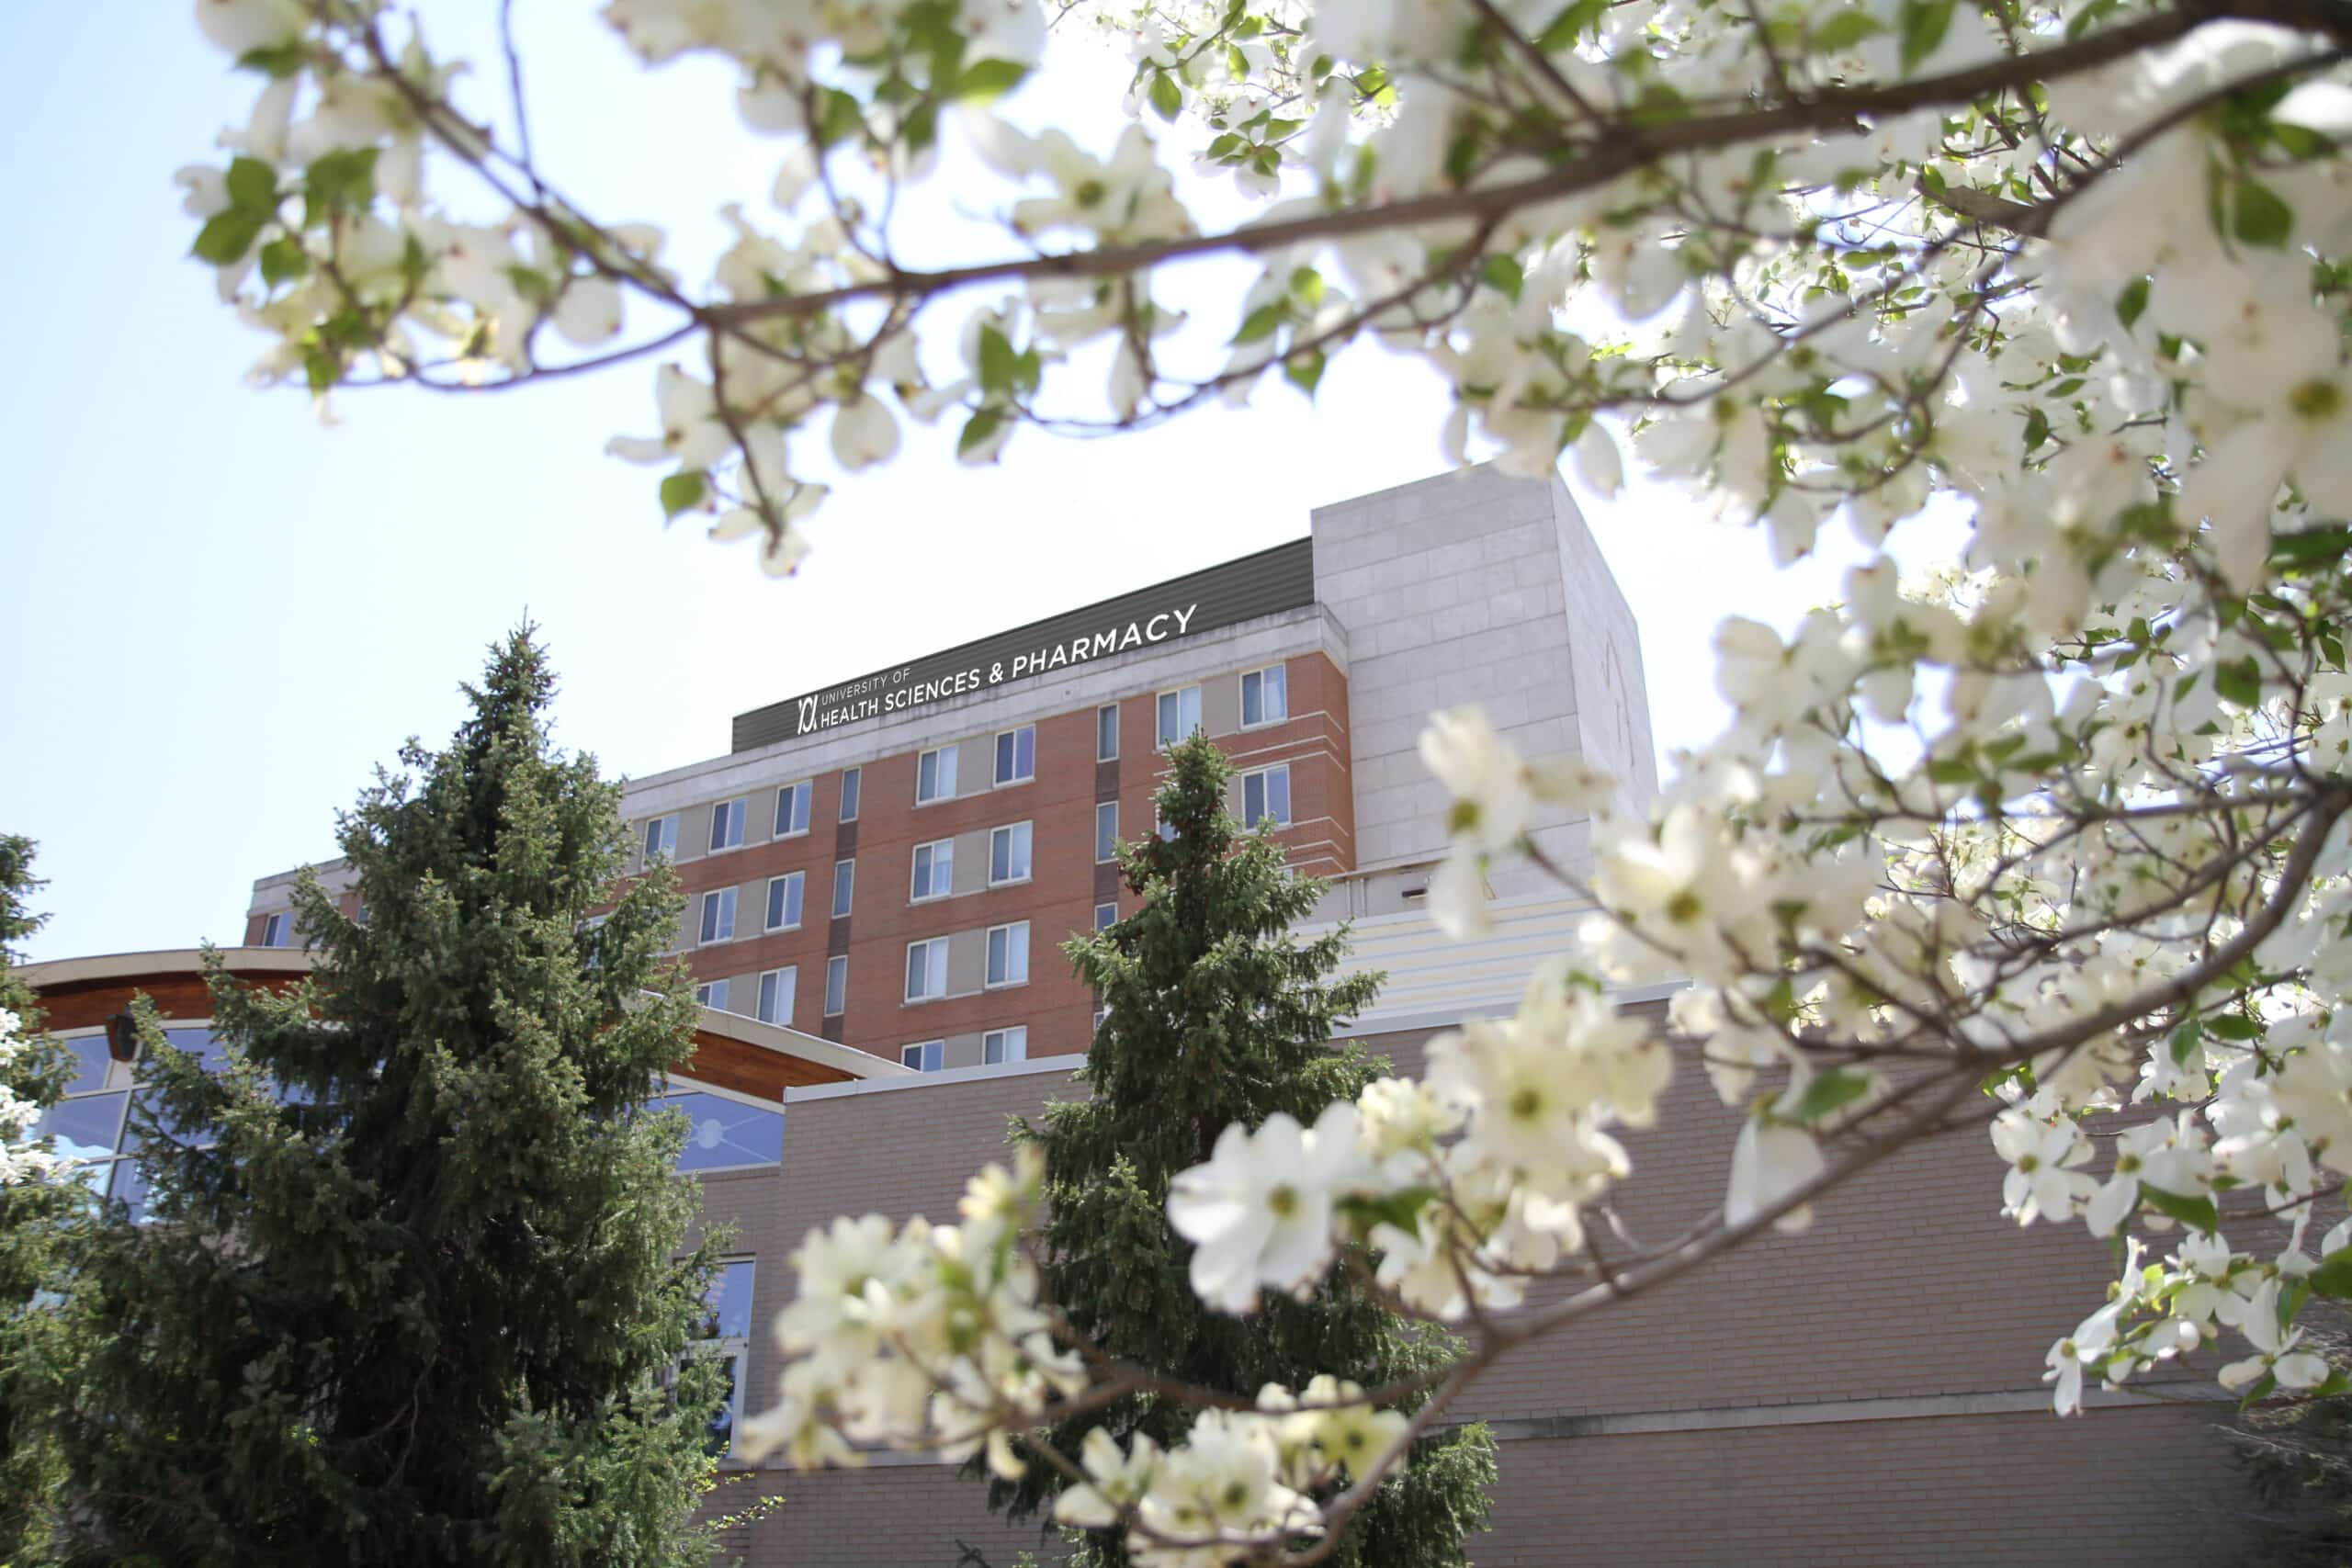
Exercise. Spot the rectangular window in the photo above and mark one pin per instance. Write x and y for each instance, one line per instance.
(1009, 954)
(926, 969)
(792, 809)
(723, 1334)
(1106, 916)
(662, 837)
(727, 824)
(275, 929)
(836, 985)
(712, 994)
(1265, 696)
(934, 871)
(1106, 831)
(1016, 755)
(845, 885)
(852, 780)
(1005, 1046)
(778, 987)
(926, 1058)
(783, 900)
(936, 775)
(1180, 714)
(724, 1134)
(1008, 854)
(1265, 796)
(718, 915)
(1106, 733)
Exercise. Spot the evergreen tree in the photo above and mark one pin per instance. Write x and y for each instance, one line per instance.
(37, 1220)
(1217, 1013)
(412, 1280)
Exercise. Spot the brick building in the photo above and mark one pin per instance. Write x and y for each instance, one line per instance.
(885, 867)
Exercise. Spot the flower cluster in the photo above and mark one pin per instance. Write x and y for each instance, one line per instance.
(19, 1162)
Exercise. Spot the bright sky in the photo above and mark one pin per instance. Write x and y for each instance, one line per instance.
(222, 616)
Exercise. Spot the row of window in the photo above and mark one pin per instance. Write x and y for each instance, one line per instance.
(998, 1046)
(1008, 962)
(779, 989)
(1265, 799)
(1265, 699)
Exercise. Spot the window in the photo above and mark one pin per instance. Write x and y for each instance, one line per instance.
(927, 1057)
(1016, 755)
(718, 914)
(1106, 916)
(1167, 830)
(836, 985)
(1106, 831)
(784, 899)
(1265, 696)
(711, 994)
(1100, 1014)
(727, 825)
(1009, 954)
(936, 775)
(1265, 796)
(792, 809)
(88, 1121)
(662, 837)
(275, 929)
(723, 1133)
(926, 969)
(845, 885)
(1005, 1046)
(724, 1334)
(853, 779)
(934, 871)
(1008, 854)
(1106, 733)
(777, 989)
(1180, 714)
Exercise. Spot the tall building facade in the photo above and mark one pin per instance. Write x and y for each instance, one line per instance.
(892, 861)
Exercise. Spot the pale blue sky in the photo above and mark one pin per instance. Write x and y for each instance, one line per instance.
(222, 616)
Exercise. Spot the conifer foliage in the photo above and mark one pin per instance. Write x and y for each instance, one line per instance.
(1219, 1014)
(411, 1280)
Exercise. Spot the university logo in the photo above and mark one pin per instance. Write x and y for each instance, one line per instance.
(807, 713)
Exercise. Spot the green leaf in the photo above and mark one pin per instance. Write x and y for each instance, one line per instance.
(252, 184)
(1504, 275)
(1304, 370)
(2132, 303)
(1830, 1091)
(1307, 286)
(998, 365)
(985, 81)
(1924, 22)
(1167, 98)
(1951, 770)
(2233, 1026)
(282, 259)
(1570, 24)
(338, 181)
(2198, 1213)
(2260, 218)
(1401, 1208)
(227, 236)
(682, 492)
(2334, 1275)
(838, 115)
(1845, 29)
(2037, 429)
(976, 430)
(2184, 1041)
(1261, 324)
(277, 61)
(2239, 681)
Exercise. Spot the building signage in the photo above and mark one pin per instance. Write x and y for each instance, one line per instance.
(1262, 584)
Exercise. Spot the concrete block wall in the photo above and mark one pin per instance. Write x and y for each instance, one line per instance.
(1477, 588)
(1867, 1392)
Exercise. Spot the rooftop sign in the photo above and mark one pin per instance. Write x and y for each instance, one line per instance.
(1261, 584)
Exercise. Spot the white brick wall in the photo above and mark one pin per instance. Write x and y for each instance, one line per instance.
(1474, 587)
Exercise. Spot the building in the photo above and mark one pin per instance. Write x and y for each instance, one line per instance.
(884, 865)
(890, 861)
